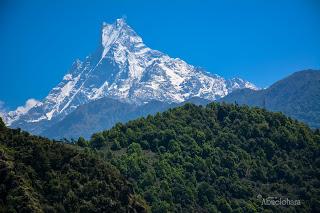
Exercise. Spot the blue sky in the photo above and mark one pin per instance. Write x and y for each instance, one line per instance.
(260, 41)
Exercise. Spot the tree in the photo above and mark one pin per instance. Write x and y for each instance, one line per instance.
(134, 148)
(82, 142)
(97, 140)
(206, 193)
(115, 145)
(2, 125)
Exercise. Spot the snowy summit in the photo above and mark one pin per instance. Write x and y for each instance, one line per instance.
(123, 68)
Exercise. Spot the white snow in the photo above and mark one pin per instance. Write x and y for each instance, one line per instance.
(98, 92)
(67, 77)
(21, 110)
(37, 120)
(135, 39)
(109, 35)
(50, 114)
(135, 68)
(126, 69)
(175, 78)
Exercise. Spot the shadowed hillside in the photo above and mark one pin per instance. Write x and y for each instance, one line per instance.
(297, 96)
(38, 175)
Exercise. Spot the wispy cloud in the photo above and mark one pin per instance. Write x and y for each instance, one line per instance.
(9, 116)
(28, 105)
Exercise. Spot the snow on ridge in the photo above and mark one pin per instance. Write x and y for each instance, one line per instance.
(127, 70)
(238, 83)
(21, 110)
(109, 35)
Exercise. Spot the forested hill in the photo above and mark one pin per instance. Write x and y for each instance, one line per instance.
(38, 175)
(218, 158)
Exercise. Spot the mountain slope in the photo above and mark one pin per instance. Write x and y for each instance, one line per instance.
(218, 158)
(99, 115)
(297, 96)
(103, 114)
(123, 68)
(38, 175)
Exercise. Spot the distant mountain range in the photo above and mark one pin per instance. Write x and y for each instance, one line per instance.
(104, 113)
(297, 96)
(125, 69)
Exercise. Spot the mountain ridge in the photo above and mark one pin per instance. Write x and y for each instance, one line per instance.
(123, 68)
(297, 96)
(104, 113)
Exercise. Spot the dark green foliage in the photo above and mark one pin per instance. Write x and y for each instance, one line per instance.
(2, 125)
(217, 158)
(82, 142)
(116, 145)
(38, 175)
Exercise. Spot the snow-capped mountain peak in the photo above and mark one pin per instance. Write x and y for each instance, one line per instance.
(120, 33)
(124, 68)
(238, 83)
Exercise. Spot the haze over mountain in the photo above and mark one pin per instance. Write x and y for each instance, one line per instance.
(104, 113)
(125, 69)
(297, 96)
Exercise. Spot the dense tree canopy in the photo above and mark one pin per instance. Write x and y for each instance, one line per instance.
(38, 175)
(218, 158)
(221, 157)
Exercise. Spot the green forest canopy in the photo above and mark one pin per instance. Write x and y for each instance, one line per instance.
(38, 175)
(216, 158)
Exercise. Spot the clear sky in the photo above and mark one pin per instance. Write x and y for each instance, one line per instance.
(260, 40)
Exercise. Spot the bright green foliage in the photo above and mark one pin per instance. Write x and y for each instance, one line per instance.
(38, 175)
(217, 159)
